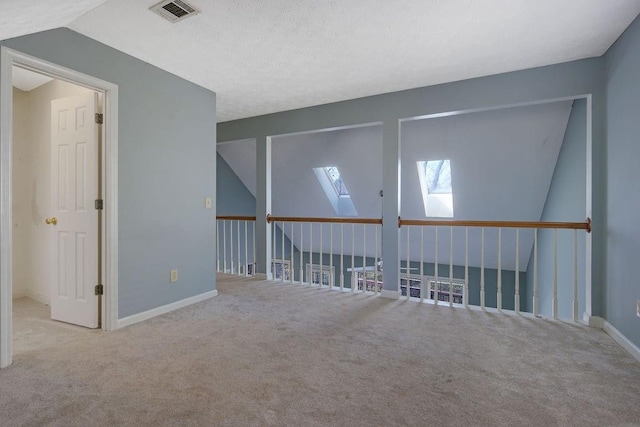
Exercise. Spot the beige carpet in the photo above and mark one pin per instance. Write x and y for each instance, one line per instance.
(277, 354)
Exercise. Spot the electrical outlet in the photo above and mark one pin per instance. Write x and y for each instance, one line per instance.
(208, 202)
(174, 276)
(638, 307)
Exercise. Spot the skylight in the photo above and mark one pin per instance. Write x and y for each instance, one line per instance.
(437, 191)
(336, 180)
(335, 189)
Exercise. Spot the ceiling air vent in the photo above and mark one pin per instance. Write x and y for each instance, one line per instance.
(174, 10)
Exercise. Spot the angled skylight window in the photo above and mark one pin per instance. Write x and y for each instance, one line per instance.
(334, 176)
(335, 190)
(437, 190)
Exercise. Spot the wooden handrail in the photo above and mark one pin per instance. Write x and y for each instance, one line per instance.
(337, 220)
(499, 224)
(236, 218)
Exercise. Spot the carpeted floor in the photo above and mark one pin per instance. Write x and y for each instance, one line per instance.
(278, 354)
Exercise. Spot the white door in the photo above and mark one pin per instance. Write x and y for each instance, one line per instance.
(74, 219)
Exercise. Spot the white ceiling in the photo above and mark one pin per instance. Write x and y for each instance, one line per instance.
(20, 17)
(266, 56)
(502, 164)
(28, 80)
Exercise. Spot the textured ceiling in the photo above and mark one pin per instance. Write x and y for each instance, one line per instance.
(20, 17)
(267, 56)
(502, 163)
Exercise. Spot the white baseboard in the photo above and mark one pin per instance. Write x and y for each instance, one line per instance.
(37, 296)
(385, 293)
(621, 339)
(18, 295)
(145, 315)
(594, 321)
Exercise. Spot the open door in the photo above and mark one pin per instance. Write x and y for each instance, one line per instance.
(74, 219)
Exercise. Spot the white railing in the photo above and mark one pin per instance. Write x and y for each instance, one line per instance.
(314, 248)
(453, 287)
(235, 243)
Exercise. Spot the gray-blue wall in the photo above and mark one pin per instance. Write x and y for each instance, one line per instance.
(166, 167)
(557, 81)
(622, 286)
(566, 201)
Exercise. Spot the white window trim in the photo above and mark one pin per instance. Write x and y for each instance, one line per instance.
(312, 268)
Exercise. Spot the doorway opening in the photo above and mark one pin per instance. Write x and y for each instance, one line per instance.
(56, 157)
(58, 186)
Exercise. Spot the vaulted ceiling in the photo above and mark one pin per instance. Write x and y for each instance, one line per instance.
(266, 56)
(502, 164)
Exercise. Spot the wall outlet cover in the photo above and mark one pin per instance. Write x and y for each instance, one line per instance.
(208, 202)
(174, 276)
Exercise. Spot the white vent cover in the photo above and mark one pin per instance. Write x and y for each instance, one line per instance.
(174, 10)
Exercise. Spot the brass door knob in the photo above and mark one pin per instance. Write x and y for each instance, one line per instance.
(52, 221)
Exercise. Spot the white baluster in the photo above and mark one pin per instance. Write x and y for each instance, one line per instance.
(253, 249)
(408, 263)
(292, 265)
(301, 253)
(354, 276)
(499, 285)
(342, 257)
(375, 262)
(218, 246)
(331, 275)
(436, 292)
(224, 246)
(575, 275)
(321, 263)
(282, 254)
(231, 245)
(451, 268)
(466, 267)
(422, 264)
(364, 256)
(246, 249)
(517, 297)
(482, 271)
(535, 272)
(274, 255)
(555, 274)
(310, 278)
(238, 267)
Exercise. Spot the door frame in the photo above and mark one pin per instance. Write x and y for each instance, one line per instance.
(109, 224)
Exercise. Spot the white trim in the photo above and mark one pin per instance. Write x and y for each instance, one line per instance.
(18, 295)
(8, 58)
(594, 321)
(386, 293)
(6, 116)
(145, 315)
(622, 340)
(37, 296)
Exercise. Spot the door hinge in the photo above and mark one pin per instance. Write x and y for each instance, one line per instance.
(99, 204)
(99, 290)
(99, 118)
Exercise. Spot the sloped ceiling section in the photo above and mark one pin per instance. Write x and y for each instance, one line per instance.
(502, 164)
(241, 157)
(267, 56)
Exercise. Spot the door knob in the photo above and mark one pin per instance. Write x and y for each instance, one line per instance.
(52, 221)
